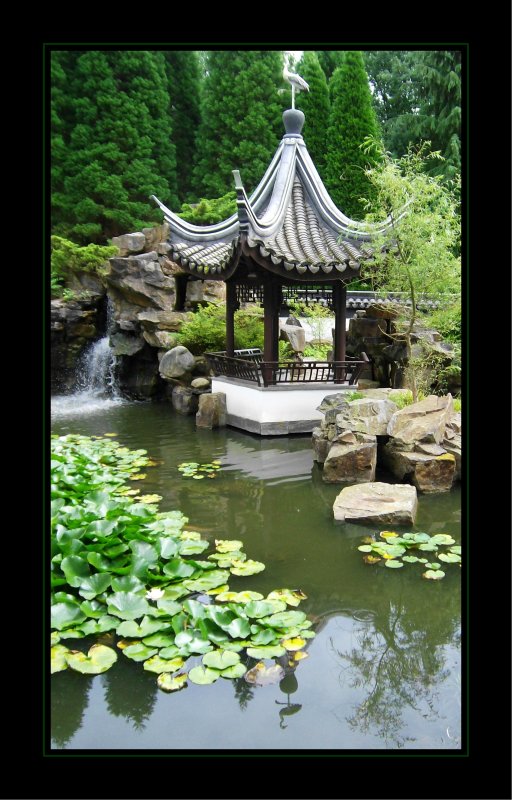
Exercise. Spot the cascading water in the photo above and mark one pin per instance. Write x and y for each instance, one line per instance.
(95, 382)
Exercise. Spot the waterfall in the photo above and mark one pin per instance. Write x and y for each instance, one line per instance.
(96, 387)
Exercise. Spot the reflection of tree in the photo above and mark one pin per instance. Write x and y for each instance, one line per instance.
(244, 692)
(69, 699)
(130, 692)
(288, 686)
(398, 665)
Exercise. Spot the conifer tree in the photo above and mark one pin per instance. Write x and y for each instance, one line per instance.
(241, 119)
(329, 60)
(315, 105)
(352, 118)
(183, 75)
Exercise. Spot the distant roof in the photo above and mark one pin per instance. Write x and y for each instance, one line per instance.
(288, 225)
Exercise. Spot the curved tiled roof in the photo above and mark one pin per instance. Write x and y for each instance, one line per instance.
(288, 225)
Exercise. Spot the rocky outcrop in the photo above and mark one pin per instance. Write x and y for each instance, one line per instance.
(212, 410)
(377, 503)
(430, 472)
(184, 400)
(176, 363)
(424, 421)
(74, 325)
(295, 335)
(352, 458)
(368, 415)
(125, 345)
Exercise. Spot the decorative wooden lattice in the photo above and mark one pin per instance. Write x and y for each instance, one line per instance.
(249, 294)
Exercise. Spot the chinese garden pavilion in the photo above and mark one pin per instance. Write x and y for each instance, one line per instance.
(287, 234)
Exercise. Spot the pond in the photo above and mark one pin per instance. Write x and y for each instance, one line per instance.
(384, 671)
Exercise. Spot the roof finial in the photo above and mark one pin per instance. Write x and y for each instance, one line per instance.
(297, 83)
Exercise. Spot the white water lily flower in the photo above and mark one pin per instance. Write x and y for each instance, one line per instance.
(155, 594)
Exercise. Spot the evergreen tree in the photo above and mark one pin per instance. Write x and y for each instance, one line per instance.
(62, 66)
(183, 75)
(440, 107)
(329, 60)
(315, 105)
(352, 118)
(119, 150)
(241, 119)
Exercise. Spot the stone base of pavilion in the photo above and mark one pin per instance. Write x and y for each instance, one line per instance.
(275, 410)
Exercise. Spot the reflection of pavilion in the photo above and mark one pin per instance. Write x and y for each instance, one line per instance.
(288, 235)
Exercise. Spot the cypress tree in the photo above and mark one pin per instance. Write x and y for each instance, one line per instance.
(329, 60)
(241, 119)
(183, 75)
(120, 148)
(352, 118)
(315, 105)
(62, 66)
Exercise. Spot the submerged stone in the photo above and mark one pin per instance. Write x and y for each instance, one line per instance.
(379, 503)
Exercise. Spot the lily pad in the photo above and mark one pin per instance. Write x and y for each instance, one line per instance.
(449, 558)
(99, 659)
(433, 565)
(428, 547)
(296, 643)
(104, 623)
(260, 675)
(285, 619)
(128, 605)
(270, 651)
(189, 643)
(221, 659)
(433, 574)
(93, 585)
(371, 559)
(158, 664)
(239, 628)
(442, 538)
(238, 597)
(291, 597)
(410, 559)
(58, 658)
(203, 675)
(172, 683)
(248, 567)
(213, 578)
(54, 638)
(168, 652)
(388, 534)
(228, 545)
(456, 549)
(139, 651)
(263, 608)
(147, 626)
(65, 615)
(392, 564)
(300, 655)
(365, 548)
(236, 671)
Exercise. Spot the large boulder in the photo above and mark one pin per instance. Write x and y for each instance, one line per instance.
(367, 416)
(429, 467)
(164, 340)
(184, 400)
(295, 335)
(212, 410)
(321, 445)
(352, 458)
(125, 345)
(176, 363)
(423, 421)
(137, 283)
(377, 503)
(129, 243)
(152, 319)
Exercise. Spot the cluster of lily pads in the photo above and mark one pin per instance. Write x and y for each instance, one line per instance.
(192, 469)
(127, 574)
(409, 548)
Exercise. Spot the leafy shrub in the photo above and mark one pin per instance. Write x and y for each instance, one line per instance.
(317, 351)
(67, 257)
(448, 321)
(207, 329)
(208, 212)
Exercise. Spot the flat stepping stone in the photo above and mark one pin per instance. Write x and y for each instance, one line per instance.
(382, 503)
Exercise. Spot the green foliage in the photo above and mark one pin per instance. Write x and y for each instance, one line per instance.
(317, 351)
(182, 69)
(240, 119)
(352, 118)
(208, 212)
(314, 313)
(122, 566)
(354, 396)
(67, 257)
(329, 60)
(409, 548)
(448, 321)
(315, 105)
(115, 147)
(207, 329)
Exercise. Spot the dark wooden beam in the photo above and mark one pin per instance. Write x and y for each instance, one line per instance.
(271, 295)
(339, 296)
(231, 307)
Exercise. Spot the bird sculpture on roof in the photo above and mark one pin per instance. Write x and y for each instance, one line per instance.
(297, 83)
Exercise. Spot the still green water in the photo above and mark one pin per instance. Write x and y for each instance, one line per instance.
(384, 671)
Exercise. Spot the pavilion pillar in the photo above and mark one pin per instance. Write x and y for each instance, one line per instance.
(231, 307)
(271, 298)
(339, 294)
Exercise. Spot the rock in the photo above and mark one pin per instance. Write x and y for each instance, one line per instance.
(365, 383)
(176, 363)
(423, 421)
(201, 383)
(73, 324)
(429, 449)
(152, 319)
(349, 462)
(129, 243)
(320, 444)
(331, 406)
(138, 283)
(161, 339)
(184, 400)
(428, 472)
(367, 416)
(455, 423)
(453, 446)
(345, 437)
(293, 321)
(382, 311)
(361, 328)
(205, 292)
(212, 410)
(124, 345)
(155, 236)
(87, 283)
(295, 336)
(377, 503)
(138, 376)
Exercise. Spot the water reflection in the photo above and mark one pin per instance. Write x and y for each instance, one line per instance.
(130, 692)
(69, 700)
(288, 686)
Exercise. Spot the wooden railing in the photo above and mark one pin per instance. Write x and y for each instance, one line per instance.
(248, 365)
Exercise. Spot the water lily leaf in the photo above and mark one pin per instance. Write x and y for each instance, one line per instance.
(388, 534)
(198, 477)
(221, 589)
(157, 664)
(423, 560)
(433, 574)
(147, 626)
(54, 638)
(270, 651)
(284, 619)
(248, 567)
(209, 630)
(227, 559)
(433, 565)
(263, 608)
(236, 671)
(72, 633)
(263, 636)
(221, 659)
(93, 608)
(104, 623)
(99, 659)
(168, 547)
(139, 651)
(238, 597)
(58, 658)
(371, 559)
(291, 597)
(94, 585)
(189, 547)
(223, 617)
(388, 550)
(214, 578)
(442, 538)
(300, 655)
(239, 628)
(416, 537)
(128, 605)
(195, 609)
(144, 551)
(449, 558)
(260, 675)
(308, 634)
(365, 548)
(99, 561)
(428, 547)
(178, 568)
(172, 683)
(174, 592)
(150, 498)
(296, 643)
(228, 545)
(75, 569)
(456, 549)
(393, 564)
(139, 477)
(203, 675)
(66, 614)
(410, 559)
(189, 643)
(171, 651)
(128, 583)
